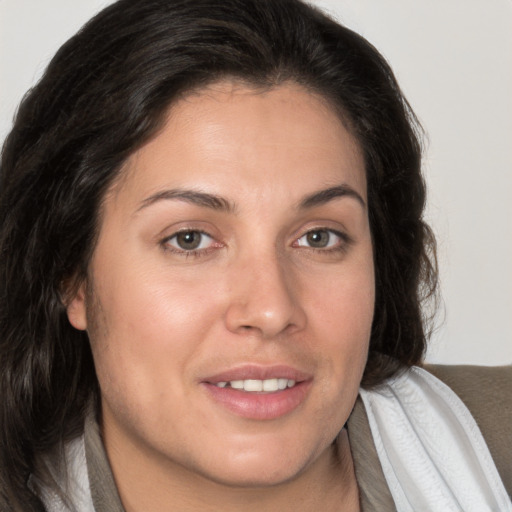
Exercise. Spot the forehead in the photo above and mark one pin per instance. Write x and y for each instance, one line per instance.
(231, 132)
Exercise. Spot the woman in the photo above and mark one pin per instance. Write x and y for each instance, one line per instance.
(212, 236)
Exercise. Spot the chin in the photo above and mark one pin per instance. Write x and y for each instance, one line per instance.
(255, 476)
(253, 469)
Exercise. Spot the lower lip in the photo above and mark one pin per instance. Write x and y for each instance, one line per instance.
(259, 406)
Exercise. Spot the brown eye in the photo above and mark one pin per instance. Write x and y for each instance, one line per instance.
(322, 239)
(318, 239)
(190, 240)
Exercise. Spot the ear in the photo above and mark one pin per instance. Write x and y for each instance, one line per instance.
(76, 308)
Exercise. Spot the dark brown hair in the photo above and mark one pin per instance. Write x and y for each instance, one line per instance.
(103, 95)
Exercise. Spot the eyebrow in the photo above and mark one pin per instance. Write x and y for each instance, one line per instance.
(215, 202)
(202, 199)
(324, 196)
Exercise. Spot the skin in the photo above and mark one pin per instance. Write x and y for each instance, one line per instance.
(161, 318)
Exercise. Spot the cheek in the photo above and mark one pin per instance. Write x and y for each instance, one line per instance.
(343, 302)
(145, 328)
(157, 304)
(341, 315)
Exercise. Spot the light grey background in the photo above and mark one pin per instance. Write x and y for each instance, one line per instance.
(453, 60)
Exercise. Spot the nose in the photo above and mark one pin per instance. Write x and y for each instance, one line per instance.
(264, 298)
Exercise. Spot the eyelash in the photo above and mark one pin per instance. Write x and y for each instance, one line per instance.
(342, 246)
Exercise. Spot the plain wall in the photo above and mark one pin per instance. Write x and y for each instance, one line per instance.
(453, 60)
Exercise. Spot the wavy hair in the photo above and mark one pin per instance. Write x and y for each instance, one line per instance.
(106, 93)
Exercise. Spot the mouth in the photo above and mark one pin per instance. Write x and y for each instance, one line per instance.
(259, 393)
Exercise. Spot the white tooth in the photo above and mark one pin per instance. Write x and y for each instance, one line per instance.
(221, 384)
(270, 385)
(282, 383)
(253, 385)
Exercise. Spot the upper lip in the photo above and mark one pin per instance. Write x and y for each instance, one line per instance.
(258, 372)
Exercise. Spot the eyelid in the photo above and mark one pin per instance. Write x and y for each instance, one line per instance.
(185, 225)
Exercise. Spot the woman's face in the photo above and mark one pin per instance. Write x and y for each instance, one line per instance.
(234, 252)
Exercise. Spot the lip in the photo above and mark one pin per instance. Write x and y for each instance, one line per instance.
(259, 406)
(258, 372)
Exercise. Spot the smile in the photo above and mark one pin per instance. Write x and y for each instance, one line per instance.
(259, 386)
(258, 392)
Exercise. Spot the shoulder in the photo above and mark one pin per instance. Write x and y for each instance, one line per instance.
(487, 393)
